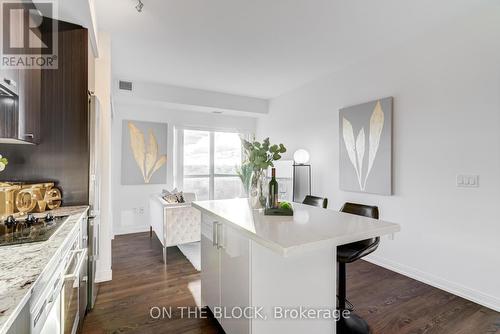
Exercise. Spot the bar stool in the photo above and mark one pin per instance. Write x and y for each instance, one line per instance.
(316, 201)
(350, 253)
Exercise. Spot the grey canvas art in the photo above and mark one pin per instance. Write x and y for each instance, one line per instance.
(144, 149)
(366, 147)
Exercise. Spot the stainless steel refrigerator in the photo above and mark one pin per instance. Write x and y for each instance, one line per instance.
(94, 197)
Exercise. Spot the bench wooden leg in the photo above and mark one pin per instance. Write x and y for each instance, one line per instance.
(150, 232)
(165, 255)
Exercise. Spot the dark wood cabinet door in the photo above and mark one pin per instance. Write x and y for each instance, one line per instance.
(9, 77)
(30, 81)
(9, 105)
(29, 105)
(20, 114)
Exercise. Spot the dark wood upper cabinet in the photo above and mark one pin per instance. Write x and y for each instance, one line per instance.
(62, 154)
(20, 103)
(9, 90)
(30, 82)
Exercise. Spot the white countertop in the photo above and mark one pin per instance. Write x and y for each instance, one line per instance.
(21, 265)
(309, 228)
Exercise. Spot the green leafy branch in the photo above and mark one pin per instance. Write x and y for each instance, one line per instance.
(260, 156)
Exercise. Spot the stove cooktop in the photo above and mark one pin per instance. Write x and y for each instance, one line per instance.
(30, 228)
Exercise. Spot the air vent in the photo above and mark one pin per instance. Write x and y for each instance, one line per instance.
(125, 85)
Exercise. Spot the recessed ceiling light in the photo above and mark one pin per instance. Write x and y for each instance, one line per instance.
(217, 112)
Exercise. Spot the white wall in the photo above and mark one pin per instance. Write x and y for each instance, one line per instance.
(446, 88)
(129, 199)
(103, 93)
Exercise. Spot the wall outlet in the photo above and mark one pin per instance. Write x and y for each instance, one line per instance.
(467, 181)
(139, 210)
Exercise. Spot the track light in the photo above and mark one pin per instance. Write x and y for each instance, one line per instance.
(139, 6)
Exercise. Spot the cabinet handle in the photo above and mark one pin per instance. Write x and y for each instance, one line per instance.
(57, 283)
(214, 234)
(98, 247)
(219, 236)
(39, 314)
(29, 135)
(78, 267)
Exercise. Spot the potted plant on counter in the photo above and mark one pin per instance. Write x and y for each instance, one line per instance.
(259, 156)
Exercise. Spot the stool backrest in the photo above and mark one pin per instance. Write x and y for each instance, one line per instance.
(360, 210)
(365, 211)
(316, 201)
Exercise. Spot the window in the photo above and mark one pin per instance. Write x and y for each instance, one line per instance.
(209, 163)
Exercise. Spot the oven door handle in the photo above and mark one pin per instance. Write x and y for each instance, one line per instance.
(74, 274)
(72, 255)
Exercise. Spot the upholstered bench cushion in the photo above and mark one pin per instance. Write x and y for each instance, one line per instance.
(183, 225)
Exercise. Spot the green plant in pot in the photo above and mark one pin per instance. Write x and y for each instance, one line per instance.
(259, 156)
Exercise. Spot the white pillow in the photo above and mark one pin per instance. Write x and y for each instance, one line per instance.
(173, 196)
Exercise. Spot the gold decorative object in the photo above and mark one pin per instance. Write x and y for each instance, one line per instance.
(7, 198)
(20, 199)
(146, 157)
(26, 200)
(53, 198)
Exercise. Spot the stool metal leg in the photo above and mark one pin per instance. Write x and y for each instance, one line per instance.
(353, 324)
(342, 286)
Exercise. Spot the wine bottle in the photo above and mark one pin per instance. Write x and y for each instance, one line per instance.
(273, 190)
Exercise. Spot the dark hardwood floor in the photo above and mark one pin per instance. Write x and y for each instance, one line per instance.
(391, 303)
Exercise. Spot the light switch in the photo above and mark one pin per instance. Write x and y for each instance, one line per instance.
(467, 181)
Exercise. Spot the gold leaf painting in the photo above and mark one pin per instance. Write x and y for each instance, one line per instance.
(145, 155)
(355, 146)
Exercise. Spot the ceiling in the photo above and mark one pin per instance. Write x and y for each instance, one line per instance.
(260, 48)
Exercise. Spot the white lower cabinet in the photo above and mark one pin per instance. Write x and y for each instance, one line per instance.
(210, 264)
(225, 275)
(239, 273)
(235, 280)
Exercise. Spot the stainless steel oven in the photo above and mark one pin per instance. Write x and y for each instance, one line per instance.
(47, 313)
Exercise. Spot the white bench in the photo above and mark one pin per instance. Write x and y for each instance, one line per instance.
(174, 224)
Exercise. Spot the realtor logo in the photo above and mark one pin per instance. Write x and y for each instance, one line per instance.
(29, 37)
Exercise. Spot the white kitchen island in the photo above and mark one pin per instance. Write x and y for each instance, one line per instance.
(279, 270)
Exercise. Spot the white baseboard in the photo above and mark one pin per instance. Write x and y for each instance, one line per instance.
(438, 282)
(103, 276)
(129, 230)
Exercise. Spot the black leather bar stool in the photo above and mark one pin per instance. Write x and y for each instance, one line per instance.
(316, 201)
(350, 253)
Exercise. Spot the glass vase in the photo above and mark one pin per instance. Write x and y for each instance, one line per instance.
(258, 191)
